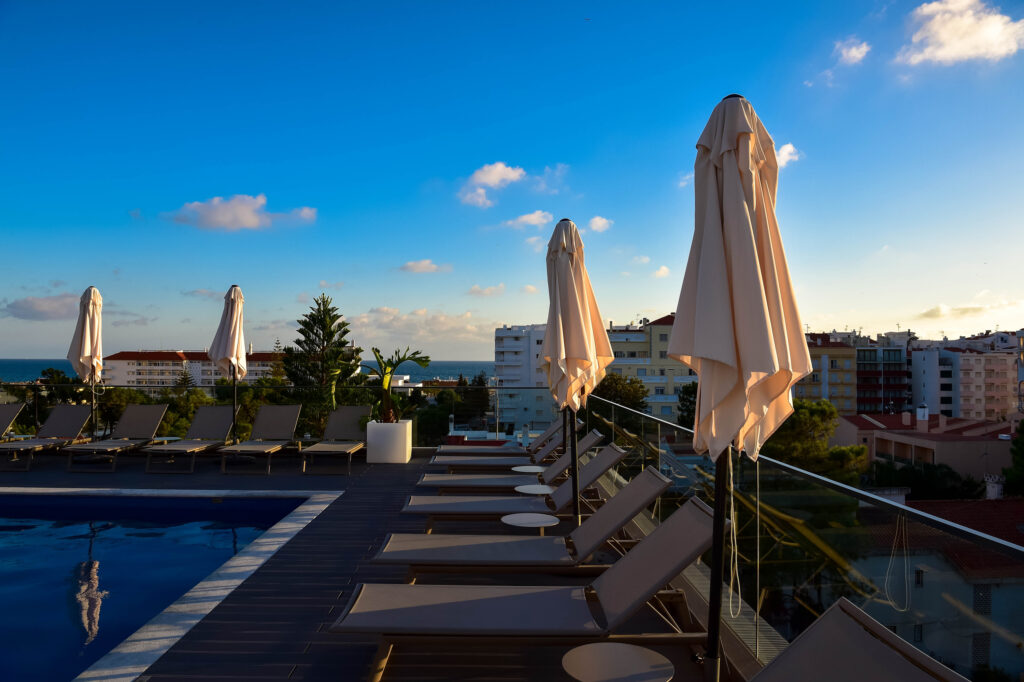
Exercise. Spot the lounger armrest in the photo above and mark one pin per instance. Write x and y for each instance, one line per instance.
(335, 627)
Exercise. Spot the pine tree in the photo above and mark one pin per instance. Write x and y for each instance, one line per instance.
(322, 357)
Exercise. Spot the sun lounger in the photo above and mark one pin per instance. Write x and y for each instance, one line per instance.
(273, 430)
(209, 429)
(847, 645)
(343, 435)
(494, 462)
(8, 413)
(516, 615)
(441, 507)
(514, 553)
(63, 426)
(136, 427)
(510, 447)
(508, 482)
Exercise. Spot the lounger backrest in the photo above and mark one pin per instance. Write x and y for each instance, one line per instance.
(211, 422)
(618, 511)
(852, 646)
(139, 422)
(589, 472)
(276, 422)
(8, 413)
(558, 467)
(653, 562)
(344, 423)
(544, 436)
(65, 421)
(548, 448)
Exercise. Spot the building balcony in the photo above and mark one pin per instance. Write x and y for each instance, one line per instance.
(631, 361)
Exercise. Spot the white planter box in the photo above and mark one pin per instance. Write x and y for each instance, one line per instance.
(389, 443)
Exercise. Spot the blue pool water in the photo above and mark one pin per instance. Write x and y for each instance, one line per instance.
(78, 574)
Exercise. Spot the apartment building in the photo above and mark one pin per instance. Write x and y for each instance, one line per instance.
(935, 380)
(641, 350)
(834, 373)
(161, 368)
(517, 364)
(882, 385)
(988, 385)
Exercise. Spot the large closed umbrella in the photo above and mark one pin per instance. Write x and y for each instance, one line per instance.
(228, 348)
(737, 324)
(576, 349)
(86, 351)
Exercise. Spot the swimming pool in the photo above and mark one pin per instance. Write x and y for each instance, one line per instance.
(80, 573)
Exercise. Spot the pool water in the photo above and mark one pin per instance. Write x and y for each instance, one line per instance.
(78, 574)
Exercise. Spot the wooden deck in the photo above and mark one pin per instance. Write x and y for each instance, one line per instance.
(274, 626)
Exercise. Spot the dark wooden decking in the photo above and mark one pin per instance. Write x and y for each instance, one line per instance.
(274, 625)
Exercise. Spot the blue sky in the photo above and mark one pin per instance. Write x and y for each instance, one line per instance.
(350, 141)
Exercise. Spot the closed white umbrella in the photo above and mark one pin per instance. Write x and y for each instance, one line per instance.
(737, 324)
(86, 351)
(576, 349)
(228, 347)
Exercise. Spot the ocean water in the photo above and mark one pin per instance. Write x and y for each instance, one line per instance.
(29, 370)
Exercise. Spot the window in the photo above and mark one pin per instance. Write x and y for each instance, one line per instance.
(666, 410)
(540, 341)
(662, 354)
(833, 364)
(659, 390)
(663, 337)
(918, 632)
(641, 372)
(918, 578)
(846, 365)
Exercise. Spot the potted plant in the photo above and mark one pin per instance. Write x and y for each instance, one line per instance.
(388, 435)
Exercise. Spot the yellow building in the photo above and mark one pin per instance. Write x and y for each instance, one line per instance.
(642, 351)
(833, 376)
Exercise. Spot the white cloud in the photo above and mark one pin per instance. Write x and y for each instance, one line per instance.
(537, 218)
(536, 242)
(425, 265)
(477, 290)
(552, 180)
(599, 224)
(953, 31)
(663, 271)
(204, 293)
(302, 297)
(625, 274)
(390, 328)
(852, 50)
(240, 212)
(641, 260)
(685, 179)
(57, 307)
(786, 154)
(492, 175)
(529, 289)
(324, 284)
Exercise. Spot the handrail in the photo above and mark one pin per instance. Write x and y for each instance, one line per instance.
(862, 495)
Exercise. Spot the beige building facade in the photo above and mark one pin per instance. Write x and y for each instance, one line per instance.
(641, 350)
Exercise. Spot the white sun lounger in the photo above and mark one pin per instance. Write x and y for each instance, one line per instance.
(508, 481)
(514, 553)
(209, 429)
(63, 426)
(136, 427)
(441, 507)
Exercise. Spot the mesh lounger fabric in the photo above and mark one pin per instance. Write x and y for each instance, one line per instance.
(210, 427)
(62, 426)
(853, 647)
(136, 427)
(489, 610)
(8, 413)
(523, 550)
(464, 505)
(274, 428)
(494, 461)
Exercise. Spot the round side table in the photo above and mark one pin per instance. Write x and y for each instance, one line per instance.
(535, 489)
(539, 521)
(616, 662)
(528, 469)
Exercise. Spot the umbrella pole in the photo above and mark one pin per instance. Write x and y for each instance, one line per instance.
(574, 456)
(234, 404)
(713, 656)
(92, 386)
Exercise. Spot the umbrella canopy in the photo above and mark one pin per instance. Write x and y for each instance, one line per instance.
(576, 349)
(86, 351)
(228, 347)
(737, 324)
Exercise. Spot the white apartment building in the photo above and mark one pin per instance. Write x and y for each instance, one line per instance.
(162, 368)
(517, 364)
(935, 380)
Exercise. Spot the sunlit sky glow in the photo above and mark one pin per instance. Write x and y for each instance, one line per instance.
(411, 160)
